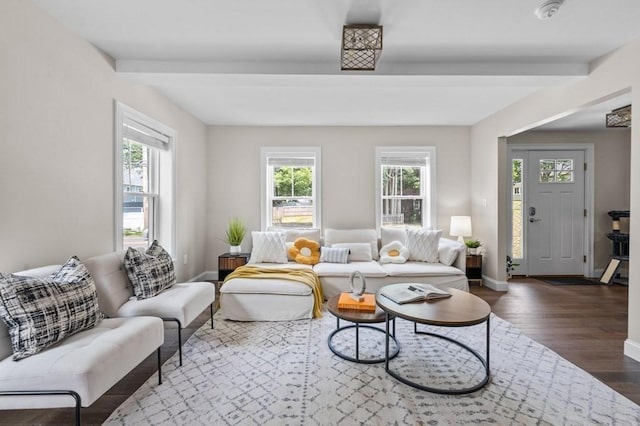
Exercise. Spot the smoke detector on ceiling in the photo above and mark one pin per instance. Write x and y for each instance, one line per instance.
(548, 9)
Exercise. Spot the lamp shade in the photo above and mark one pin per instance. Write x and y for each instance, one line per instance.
(460, 227)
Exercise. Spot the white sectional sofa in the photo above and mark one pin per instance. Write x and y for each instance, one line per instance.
(249, 300)
(335, 277)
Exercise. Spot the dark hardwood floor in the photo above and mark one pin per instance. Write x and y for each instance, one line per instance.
(585, 324)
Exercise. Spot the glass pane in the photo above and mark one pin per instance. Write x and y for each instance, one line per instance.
(565, 177)
(516, 209)
(135, 166)
(391, 181)
(292, 213)
(136, 220)
(398, 181)
(302, 181)
(547, 177)
(411, 181)
(293, 181)
(547, 165)
(564, 165)
(401, 212)
(282, 181)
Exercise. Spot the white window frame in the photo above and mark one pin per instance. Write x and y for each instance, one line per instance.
(429, 190)
(163, 139)
(266, 177)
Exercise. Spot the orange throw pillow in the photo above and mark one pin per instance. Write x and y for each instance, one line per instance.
(305, 251)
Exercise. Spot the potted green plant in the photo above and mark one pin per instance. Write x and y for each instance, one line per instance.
(235, 234)
(472, 246)
(510, 266)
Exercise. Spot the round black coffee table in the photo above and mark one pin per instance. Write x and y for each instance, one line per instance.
(358, 318)
(462, 309)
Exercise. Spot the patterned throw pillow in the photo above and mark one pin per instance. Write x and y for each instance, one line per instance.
(423, 244)
(150, 272)
(268, 247)
(334, 255)
(41, 312)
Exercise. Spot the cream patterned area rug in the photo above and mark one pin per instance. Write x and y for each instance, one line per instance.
(283, 373)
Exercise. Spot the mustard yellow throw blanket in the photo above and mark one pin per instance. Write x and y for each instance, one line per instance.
(303, 276)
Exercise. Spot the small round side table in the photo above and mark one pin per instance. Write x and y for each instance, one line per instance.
(358, 318)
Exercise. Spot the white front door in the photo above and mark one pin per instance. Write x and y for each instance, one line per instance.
(555, 213)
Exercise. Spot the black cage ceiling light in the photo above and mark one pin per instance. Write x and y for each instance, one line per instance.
(620, 117)
(361, 47)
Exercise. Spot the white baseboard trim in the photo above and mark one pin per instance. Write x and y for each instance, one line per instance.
(632, 349)
(494, 284)
(205, 276)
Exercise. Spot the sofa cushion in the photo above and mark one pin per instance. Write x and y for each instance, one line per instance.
(268, 247)
(358, 252)
(89, 362)
(150, 272)
(423, 244)
(389, 234)
(184, 302)
(412, 269)
(333, 236)
(290, 235)
(448, 251)
(368, 269)
(112, 282)
(334, 255)
(42, 311)
(264, 286)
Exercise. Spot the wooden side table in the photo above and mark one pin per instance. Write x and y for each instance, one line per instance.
(227, 263)
(474, 267)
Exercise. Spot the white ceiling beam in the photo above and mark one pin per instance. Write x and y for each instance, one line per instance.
(333, 68)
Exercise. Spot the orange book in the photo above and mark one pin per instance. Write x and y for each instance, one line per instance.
(367, 305)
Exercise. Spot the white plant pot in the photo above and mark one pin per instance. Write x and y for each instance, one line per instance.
(473, 250)
(235, 249)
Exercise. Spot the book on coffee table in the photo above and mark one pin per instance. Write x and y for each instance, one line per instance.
(413, 293)
(368, 304)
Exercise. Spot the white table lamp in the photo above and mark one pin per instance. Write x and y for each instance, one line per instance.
(460, 227)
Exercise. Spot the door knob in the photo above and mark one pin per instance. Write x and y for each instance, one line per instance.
(533, 219)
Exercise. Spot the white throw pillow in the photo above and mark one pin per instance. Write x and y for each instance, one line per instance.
(448, 251)
(334, 255)
(290, 235)
(394, 252)
(268, 247)
(358, 252)
(423, 244)
(333, 236)
(389, 234)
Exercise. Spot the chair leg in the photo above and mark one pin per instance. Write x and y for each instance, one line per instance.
(179, 335)
(211, 310)
(180, 342)
(159, 367)
(75, 395)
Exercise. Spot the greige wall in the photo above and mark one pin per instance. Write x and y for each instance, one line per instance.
(56, 133)
(348, 185)
(612, 149)
(609, 76)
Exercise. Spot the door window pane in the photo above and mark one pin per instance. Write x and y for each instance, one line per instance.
(556, 171)
(517, 220)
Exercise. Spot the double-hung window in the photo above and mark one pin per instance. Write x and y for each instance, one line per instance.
(144, 180)
(290, 187)
(405, 186)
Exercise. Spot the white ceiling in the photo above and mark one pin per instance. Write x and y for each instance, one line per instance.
(257, 62)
